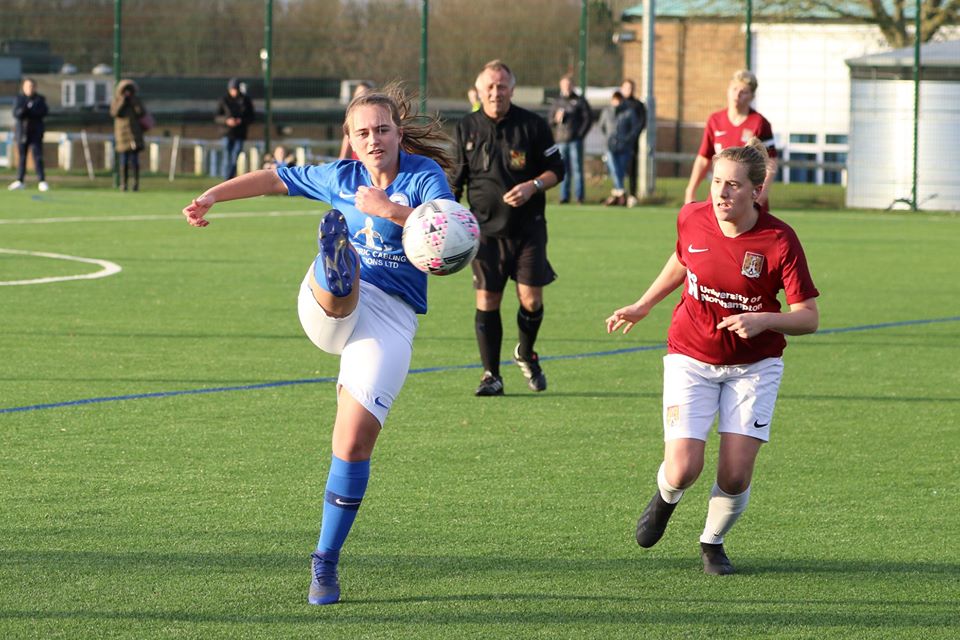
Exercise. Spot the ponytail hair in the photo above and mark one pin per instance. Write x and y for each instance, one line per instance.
(423, 134)
(753, 157)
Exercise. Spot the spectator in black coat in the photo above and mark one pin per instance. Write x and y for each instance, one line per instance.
(234, 114)
(620, 127)
(627, 88)
(29, 110)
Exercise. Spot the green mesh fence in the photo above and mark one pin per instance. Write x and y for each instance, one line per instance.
(318, 39)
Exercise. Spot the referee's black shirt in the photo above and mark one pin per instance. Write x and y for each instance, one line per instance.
(493, 157)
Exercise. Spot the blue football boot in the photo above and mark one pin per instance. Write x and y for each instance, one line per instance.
(337, 258)
(324, 585)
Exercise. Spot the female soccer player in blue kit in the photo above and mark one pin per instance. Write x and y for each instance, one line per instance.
(360, 297)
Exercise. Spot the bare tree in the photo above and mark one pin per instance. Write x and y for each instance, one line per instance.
(894, 18)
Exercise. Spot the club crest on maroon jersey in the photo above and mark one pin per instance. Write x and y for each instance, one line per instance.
(752, 265)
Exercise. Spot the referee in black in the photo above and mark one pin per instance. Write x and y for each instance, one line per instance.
(506, 158)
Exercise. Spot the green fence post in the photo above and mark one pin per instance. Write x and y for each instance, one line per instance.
(424, 50)
(266, 56)
(117, 59)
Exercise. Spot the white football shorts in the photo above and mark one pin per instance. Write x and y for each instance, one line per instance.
(374, 343)
(743, 396)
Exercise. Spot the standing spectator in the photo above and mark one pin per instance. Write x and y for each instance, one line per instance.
(506, 158)
(628, 88)
(235, 115)
(29, 110)
(620, 129)
(127, 111)
(570, 118)
(724, 345)
(346, 152)
(733, 127)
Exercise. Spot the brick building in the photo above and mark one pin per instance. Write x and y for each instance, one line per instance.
(804, 84)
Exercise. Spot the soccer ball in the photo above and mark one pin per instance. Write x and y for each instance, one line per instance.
(441, 237)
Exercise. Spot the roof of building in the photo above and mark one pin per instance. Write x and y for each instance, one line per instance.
(761, 10)
(932, 54)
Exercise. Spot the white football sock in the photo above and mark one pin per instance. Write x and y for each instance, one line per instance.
(667, 491)
(722, 513)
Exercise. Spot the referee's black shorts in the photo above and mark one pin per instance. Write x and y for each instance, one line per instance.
(522, 257)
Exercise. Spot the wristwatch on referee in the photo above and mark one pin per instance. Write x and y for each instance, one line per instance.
(538, 185)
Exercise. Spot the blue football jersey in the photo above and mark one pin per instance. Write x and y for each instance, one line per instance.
(377, 240)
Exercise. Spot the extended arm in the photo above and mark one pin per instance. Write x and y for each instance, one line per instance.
(671, 276)
(699, 170)
(258, 183)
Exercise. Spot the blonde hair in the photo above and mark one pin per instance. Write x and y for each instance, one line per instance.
(747, 77)
(423, 135)
(753, 157)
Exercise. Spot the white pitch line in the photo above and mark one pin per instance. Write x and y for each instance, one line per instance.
(109, 268)
(169, 217)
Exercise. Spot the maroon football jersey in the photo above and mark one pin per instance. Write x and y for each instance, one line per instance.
(728, 276)
(720, 133)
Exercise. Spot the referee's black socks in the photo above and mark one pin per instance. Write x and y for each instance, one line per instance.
(528, 322)
(489, 337)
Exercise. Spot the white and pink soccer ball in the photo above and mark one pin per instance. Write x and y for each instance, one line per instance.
(441, 237)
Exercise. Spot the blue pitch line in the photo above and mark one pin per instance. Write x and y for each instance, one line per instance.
(167, 394)
(289, 383)
(887, 325)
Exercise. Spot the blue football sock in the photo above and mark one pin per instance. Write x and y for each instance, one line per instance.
(346, 484)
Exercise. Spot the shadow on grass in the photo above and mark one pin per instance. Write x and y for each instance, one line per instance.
(40, 561)
(866, 398)
(738, 600)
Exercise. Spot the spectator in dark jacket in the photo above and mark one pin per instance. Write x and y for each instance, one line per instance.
(570, 118)
(620, 127)
(29, 109)
(628, 88)
(234, 114)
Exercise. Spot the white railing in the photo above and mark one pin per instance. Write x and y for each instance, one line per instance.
(200, 156)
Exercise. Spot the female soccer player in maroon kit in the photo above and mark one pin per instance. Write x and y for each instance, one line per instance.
(724, 344)
(735, 126)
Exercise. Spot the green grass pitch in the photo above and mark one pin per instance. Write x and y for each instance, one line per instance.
(193, 515)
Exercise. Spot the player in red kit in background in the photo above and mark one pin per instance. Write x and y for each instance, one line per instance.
(725, 343)
(735, 126)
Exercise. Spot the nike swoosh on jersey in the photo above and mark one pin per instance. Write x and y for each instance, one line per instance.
(691, 249)
(719, 133)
